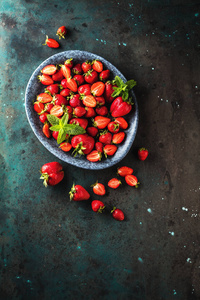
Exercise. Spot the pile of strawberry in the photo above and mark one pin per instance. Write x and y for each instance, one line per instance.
(82, 109)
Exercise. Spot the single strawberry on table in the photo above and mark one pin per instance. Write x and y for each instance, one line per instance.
(78, 193)
(142, 153)
(97, 206)
(51, 43)
(123, 171)
(114, 183)
(98, 188)
(52, 173)
(61, 32)
(117, 214)
(132, 180)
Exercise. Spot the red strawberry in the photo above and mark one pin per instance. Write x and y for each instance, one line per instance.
(49, 70)
(114, 183)
(98, 188)
(65, 92)
(94, 156)
(97, 206)
(69, 109)
(66, 72)
(109, 150)
(83, 144)
(90, 112)
(78, 121)
(46, 130)
(118, 137)
(102, 111)
(60, 100)
(55, 135)
(91, 76)
(92, 131)
(52, 173)
(38, 107)
(43, 117)
(108, 91)
(122, 122)
(89, 101)
(72, 85)
(51, 43)
(78, 193)
(132, 180)
(65, 146)
(142, 153)
(101, 122)
(48, 107)
(61, 32)
(58, 76)
(45, 79)
(57, 111)
(64, 83)
(69, 63)
(113, 127)
(86, 66)
(97, 89)
(79, 111)
(97, 66)
(75, 101)
(44, 98)
(100, 101)
(53, 88)
(104, 75)
(105, 138)
(123, 171)
(84, 89)
(77, 69)
(79, 79)
(117, 214)
(120, 108)
(99, 147)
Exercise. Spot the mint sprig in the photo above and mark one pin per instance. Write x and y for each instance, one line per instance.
(122, 88)
(63, 127)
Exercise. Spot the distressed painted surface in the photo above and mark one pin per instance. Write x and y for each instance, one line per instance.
(53, 249)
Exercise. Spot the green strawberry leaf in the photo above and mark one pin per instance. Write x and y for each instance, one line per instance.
(131, 83)
(74, 129)
(61, 136)
(55, 128)
(53, 119)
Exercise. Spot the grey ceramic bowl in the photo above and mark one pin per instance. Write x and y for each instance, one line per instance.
(34, 87)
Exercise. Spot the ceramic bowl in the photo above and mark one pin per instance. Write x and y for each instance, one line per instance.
(34, 87)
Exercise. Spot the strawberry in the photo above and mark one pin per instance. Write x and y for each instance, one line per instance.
(45, 79)
(51, 43)
(38, 107)
(55, 134)
(66, 72)
(79, 79)
(57, 111)
(43, 117)
(142, 153)
(97, 206)
(120, 108)
(64, 83)
(89, 101)
(79, 111)
(97, 89)
(52, 173)
(46, 130)
(105, 138)
(91, 76)
(123, 171)
(108, 91)
(77, 69)
(114, 183)
(104, 75)
(100, 101)
(94, 156)
(86, 66)
(78, 193)
(97, 66)
(113, 127)
(59, 100)
(109, 150)
(53, 88)
(72, 85)
(92, 131)
(98, 188)
(61, 32)
(90, 112)
(101, 122)
(132, 180)
(48, 107)
(58, 76)
(102, 111)
(69, 109)
(117, 214)
(69, 63)
(122, 122)
(65, 146)
(65, 92)
(81, 122)
(83, 144)
(84, 89)
(99, 147)
(49, 70)
(118, 137)
(44, 98)
(75, 101)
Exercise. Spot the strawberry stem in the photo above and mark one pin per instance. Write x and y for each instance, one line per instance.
(44, 177)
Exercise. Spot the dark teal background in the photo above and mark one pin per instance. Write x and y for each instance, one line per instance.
(51, 248)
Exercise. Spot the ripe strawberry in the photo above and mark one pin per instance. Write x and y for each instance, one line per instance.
(38, 107)
(100, 101)
(89, 101)
(79, 111)
(58, 76)
(45, 79)
(123, 171)
(120, 108)
(97, 206)
(52, 173)
(102, 111)
(118, 137)
(113, 127)
(84, 89)
(117, 214)
(104, 75)
(77, 69)
(132, 180)
(55, 135)
(61, 32)
(78, 193)
(122, 122)
(114, 183)
(49, 70)
(48, 107)
(65, 146)
(94, 156)
(105, 138)
(109, 150)
(83, 144)
(64, 83)
(57, 111)
(59, 100)
(90, 112)
(44, 98)
(97, 89)
(142, 153)
(46, 130)
(43, 117)
(75, 101)
(66, 72)
(91, 76)
(86, 66)
(79, 79)
(78, 121)
(69, 109)
(92, 131)
(101, 122)
(99, 147)
(53, 88)
(65, 92)
(51, 43)
(72, 85)
(98, 188)
(108, 91)
(97, 66)
(69, 63)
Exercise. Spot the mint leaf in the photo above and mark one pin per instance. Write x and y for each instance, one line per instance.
(131, 83)
(55, 128)
(119, 81)
(72, 129)
(125, 95)
(116, 93)
(64, 119)
(53, 119)
(61, 136)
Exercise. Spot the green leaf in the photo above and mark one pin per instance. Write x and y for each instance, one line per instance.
(61, 136)
(53, 119)
(74, 129)
(125, 95)
(55, 128)
(130, 84)
(65, 119)
(116, 93)
(119, 81)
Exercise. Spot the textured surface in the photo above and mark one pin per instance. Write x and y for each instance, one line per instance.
(51, 248)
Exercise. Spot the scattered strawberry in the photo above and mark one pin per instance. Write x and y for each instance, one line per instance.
(123, 171)
(109, 150)
(117, 214)
(51, 43)
(45, 79)
(78, 193)
(49, 70)
(46, 130)
(118, 138)
(61, 32)
(97, 66)
(52, 173)
(98, 188)
(94, 156)
(132, 180)
(142, 153)
(65, 146)
(97, 206)
(114, 183)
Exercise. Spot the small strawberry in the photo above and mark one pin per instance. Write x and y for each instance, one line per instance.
(142, 153)
(65, 146)
(97, 66)
(99, 147)
(105, 137)
(43, 117)
(79, 121)
(104, 75)
(79, 111)
(46, 130)
(78, 193)
(60, 100)
(113, 127)
(65, 92)
(52, 173)
(109, 150)
(83, 144)
(123, 171)
(97, 89)
(66, 72)
(77, 69)
(102, 111)
(101, 122)
(45, 79)
(91, 76)
(114, 183)
(97, 206)
(61, 32)
(52, 88)
(86, 66)
(92, 131)
(79, 79)
(100, 101)
(94, 156)
(69, 63)
(122, 122)
(89, 101)
(49, 70)
(51, 43)
(90, 112)
(98, 188)
(75, 101)
(117, 214)
(64, 83)
(109, 89)
(118, 138)
(72, 85)
(58, 76)
(84, 89)
(57, 111)
(48, 107)
(44, 98)
(55, 135)
(38, 107)
(132, 180)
